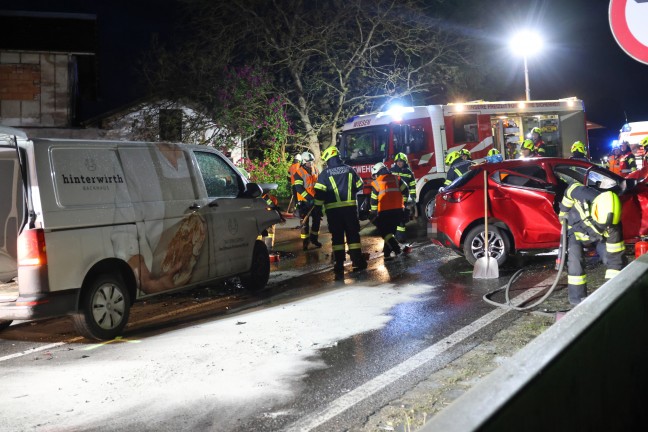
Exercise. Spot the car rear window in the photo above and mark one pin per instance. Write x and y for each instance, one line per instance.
(459, 182)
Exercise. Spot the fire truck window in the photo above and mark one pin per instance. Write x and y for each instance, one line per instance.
(465, 128)
(368, 146)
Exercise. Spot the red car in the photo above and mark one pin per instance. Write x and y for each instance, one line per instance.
(523, 198)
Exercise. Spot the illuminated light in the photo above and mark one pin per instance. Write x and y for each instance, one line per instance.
(396, 112)
(502, 117)
(521, 105)
(460, 107)
(31, 248)
(615, 143)
(31, 303)
(570, 103)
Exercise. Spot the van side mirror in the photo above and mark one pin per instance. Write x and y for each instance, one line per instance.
(252, 190)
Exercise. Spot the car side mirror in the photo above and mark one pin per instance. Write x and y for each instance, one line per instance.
(266, 187)
(252, 190)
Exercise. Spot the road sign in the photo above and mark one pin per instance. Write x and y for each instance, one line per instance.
(628, 20)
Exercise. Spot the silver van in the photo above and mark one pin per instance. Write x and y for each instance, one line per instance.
(88, 227)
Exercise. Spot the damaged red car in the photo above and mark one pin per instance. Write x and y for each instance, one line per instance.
(523, 198)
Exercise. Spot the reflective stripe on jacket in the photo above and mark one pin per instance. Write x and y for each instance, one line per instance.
(337, 186)
(292, 170)
(408, 176)
(305, 183)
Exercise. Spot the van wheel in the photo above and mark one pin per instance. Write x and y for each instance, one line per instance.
(4, 324)
(260, 272)
(498, 244)
(104, 308)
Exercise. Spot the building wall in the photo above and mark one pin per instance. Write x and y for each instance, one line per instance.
(34, 89)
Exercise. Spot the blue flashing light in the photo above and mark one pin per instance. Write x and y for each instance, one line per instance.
(615, 143)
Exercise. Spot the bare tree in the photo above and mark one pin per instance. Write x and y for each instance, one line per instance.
(330, 59)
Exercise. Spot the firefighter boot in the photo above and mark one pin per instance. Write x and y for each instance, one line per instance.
(396, 247)
(305, 244)
(359, 263)
(576, 293)
(387, 251)
(315, 242)
(338, 267)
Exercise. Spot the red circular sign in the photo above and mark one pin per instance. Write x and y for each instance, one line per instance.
(628, 20)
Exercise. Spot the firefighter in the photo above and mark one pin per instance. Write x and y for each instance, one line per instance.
(494, 156)
(614, 161)
(538, 144)
(578, 151)
(511, 150)
(388, 196)
(273, 203)
(335, 191)
(401, 169)
(627, 160)
(644, 144)
(458, 166)
(292, 170)
(305, 179)
(528, 150)
(465, 154)
(593, 218)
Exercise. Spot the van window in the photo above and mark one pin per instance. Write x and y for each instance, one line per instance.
(221, 180)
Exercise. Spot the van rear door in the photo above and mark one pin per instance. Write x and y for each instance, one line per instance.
(11, 211)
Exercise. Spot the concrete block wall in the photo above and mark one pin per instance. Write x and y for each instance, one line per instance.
(34, 89)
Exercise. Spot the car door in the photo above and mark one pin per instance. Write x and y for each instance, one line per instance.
(231, 218)
(524, 200)
(11, 211)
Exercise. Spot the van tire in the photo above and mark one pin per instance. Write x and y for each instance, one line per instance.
(260, 271)
(104, 308)
(5, 324)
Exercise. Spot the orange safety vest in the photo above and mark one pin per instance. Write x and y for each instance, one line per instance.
(309, 180)
(390, 197)
(614, 164)
(292, 170)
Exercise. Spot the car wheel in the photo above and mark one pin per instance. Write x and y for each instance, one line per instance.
(498, 244)
(427, 205)
(104, 308)
(260, 271)
(4, 324)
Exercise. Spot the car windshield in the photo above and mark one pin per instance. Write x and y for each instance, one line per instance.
(364, 146)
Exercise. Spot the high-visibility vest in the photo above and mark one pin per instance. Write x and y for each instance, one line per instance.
(292, 170)
(305, 181)
(614, 164)
(388, 191)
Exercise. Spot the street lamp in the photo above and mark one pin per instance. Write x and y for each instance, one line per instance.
(526, 44)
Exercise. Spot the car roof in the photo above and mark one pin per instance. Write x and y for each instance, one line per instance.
(510, 163)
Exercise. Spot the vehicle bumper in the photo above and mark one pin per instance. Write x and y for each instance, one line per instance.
(39, 306)
(438, 237)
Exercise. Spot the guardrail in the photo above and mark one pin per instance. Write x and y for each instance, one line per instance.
(587, 372)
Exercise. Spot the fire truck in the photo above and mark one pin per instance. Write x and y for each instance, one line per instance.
(427, 133)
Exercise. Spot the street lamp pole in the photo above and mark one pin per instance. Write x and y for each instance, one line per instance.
(526, 79)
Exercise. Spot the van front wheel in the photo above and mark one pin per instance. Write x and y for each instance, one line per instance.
(260, 272)
(104, 308)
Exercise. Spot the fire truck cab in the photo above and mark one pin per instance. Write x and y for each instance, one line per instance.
(427, 133)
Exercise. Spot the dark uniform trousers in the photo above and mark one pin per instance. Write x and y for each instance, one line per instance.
(387, 223)
(343, 222)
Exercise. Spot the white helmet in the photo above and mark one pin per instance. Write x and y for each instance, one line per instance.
(298, 157)
(307, 157)
(377, 168)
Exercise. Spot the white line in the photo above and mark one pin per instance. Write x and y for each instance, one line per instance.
(343, 403)
(42, 348)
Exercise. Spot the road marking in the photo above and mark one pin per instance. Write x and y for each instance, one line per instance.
(373, 386)
(35, 350)
(117, 339)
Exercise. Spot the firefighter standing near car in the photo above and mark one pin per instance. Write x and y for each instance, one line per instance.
(335, 191)
(402, 170)
(614, 162)
(494, 156)
(593, 218)
(528, 150)
(305, 179)
(578, 151)
(627, 160)
(644, 145)
(511, 150)
(538, 144)
(271, 200)
(458, 166)
(292, 170)
(388, 196)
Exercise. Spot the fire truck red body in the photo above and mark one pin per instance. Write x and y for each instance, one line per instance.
(427, 133)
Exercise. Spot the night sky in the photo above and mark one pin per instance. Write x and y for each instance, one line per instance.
(580, 57)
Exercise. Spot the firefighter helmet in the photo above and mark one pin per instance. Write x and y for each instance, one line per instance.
(644, 142)
(329, 153)
(465, 152)
(606, 209)
(451, 157)
(578, 146)
(298, 157)
(528, 144)
(493, 152)
(307, 157)
(377, 169)
(400, 156)
(536, 130)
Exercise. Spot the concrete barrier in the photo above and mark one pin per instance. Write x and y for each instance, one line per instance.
(587, 372)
